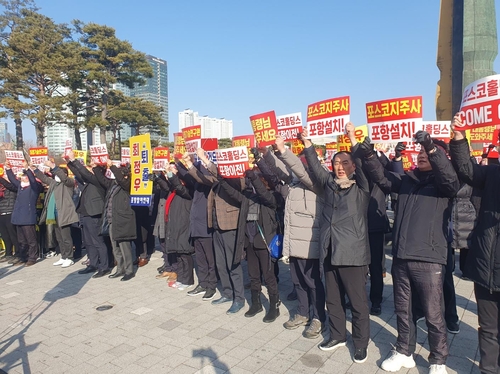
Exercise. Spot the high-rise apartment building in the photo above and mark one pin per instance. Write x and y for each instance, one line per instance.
(210, 127)
(4, 134)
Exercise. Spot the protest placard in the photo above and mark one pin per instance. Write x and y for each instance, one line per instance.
(232, 162)
(125, 155)
(192, 138)
(141, 162)
(437, 129)
(80, 156)
(327, 118)
(480, 103)
(179, 145)
(68, 146)
(243, 141)
(344, 143)
(289, 125)
(38, 155)
(16, 160)
(161, 158)
(394, 120)
(264, 128)
(99, 154)
(297, 146)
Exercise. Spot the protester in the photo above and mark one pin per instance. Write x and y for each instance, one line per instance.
(419, 247)
(24, 214)
(118, 218)
(90, 206)
(8, 194)
(344, 244)
(484, 255)
(303, 207)
(223, 217)
(59, 209)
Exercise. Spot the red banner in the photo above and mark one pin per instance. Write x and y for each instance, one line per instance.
(244, 141)
(264, 127)
(179, 145)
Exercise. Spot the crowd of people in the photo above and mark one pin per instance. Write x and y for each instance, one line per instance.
(333, 226)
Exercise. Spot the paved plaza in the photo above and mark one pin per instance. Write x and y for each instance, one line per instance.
(49, 324)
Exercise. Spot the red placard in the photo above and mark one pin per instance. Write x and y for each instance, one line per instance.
(264, 128)
(244, 141)
(328, 118)
(179, 145)
(232, 162)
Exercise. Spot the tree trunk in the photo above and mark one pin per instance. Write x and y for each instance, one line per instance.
(19, 132)
(119, 144)
(39, 135)
(104, 114)
(78, 138)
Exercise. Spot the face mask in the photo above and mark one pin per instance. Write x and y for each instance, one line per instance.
(25, 184)
(57, 179)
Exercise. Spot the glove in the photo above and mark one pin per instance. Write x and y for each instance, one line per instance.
(367, 147)
(400, 147)
(250, 174)
(423, 138)
(256, 153)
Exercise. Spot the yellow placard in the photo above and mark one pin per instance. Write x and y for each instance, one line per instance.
(141, 165)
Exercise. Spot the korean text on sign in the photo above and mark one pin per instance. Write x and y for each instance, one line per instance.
(161, 158)
(38, 155)
(80, 155)
(289, 125)
(481, 103)
(191, 133)
(343, 142)
(487, 134)
(264, 128)
(98, 154)
(125, 155)
(394, 120)
(16, 160)
(68, 146)
(141, 165)
(179, 145)
(437, 129)
(232, 162)
(328, 118)
(244, 141)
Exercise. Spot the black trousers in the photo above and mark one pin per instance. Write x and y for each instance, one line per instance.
(185, 268)
(64, 241)
(230, 274)
(9, 234)
(350, 280)
(28, 246)
(260, 264)
(376, 240)
(205, 262)
(463, 258)
(94, 243)
(76, 237)
(426, 280)
(306, 277)
(122, 251)
(450, 298)
(488, 306)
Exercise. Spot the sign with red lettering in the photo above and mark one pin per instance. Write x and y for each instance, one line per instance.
(161, 158)
(331, 149)
(16, 160)
(328, 118)
(179, 145)
(394, 120)
(343, 142)
(480, 103)
(38, 155)
(192, 138)
(297, 146)
(264, 128)
(437, 129)
(232, 162)
(289, 125)
(98, 154)
(125, 155)
(68, 146)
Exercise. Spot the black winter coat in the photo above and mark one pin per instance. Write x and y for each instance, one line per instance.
(123, 217)
(343, 225)
(92, 197)
(420, 229)
(483, 259)
(177, 236)
(8, 199)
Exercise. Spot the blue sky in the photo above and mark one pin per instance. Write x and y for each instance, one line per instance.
(233, 59)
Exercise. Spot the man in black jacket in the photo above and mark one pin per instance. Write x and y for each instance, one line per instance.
(344, 244)
(90, 207)
(483, 259)
(419, 247)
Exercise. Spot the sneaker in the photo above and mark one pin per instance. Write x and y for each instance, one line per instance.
(182, 287)
(236, 306)
(59, 262)
(221, 300)
(360, 355)
(332, 344)
(396, 361)
(453, 328)
(209, 295)
(51, 254)
(174, 284)
(197, 291)
(67, 263)
(296, 321)
(314, 330)
(437, 369)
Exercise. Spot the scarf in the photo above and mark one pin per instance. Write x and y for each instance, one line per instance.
(344, 183)
(167, 204)
(51, 210)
